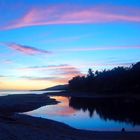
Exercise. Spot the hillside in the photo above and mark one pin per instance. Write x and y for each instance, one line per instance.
(58, 87)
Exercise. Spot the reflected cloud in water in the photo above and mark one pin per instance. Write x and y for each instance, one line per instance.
(92, 114)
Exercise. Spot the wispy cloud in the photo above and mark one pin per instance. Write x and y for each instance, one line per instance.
(95, 48)
(4, 76)
(7, 61)
(1, 76)
(38, 78)
(67, 71)
(59, 80)
(64, 14)
(59, 73)
(50, 67)
(112, 65)
(28, 50)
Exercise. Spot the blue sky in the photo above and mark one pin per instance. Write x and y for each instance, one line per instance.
(45, 43)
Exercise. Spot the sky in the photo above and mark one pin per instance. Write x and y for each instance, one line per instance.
(47, 42)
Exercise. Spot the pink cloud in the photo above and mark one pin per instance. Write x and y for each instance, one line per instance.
(57, 70)
(28, 50)
(75, 15)
(59, 80)
(50, 67)
(65, 70)
(59, 73)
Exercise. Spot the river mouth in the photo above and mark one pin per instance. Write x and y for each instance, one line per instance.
(91, 114)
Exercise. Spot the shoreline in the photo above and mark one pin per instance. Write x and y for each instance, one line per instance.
(41, 129)
(18, 126)
(23, 102)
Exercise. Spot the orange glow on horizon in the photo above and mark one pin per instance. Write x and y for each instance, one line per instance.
(20, 84)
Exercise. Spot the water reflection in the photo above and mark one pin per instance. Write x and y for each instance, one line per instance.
(93, 114)
(117, 109)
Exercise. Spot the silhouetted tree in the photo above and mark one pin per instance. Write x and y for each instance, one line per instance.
(90, 74)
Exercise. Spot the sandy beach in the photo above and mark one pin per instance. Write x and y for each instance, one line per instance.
(15, 126)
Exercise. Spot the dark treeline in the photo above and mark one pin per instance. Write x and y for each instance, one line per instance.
(118, 79)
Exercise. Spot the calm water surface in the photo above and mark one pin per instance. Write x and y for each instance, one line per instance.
(9, 92)
(89, 114)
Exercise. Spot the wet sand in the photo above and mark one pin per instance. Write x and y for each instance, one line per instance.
(14, 126)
